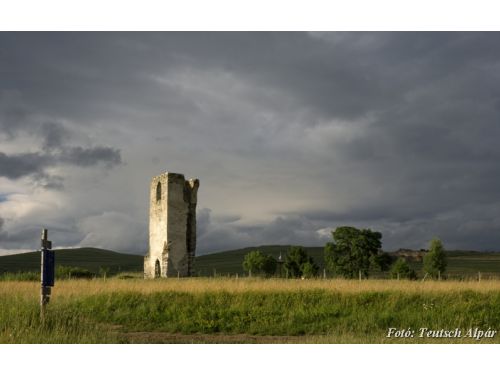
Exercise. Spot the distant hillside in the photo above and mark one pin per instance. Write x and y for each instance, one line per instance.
(92, 259)
(464, 263)
(86, 257)
(460, 262)
(230, 261)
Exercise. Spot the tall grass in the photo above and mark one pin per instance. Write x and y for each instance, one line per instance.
(20, 322)
(316, 310)
(20, 276)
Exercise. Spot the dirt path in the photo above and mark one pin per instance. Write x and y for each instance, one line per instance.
(178, 338)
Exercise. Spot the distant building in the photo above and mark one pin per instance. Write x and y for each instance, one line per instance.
(172, 226)
(409, 254)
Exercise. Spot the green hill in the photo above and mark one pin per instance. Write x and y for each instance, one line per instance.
(460, 263)
(230, 262)
(87, 257)
(469, 263)
(92, 259)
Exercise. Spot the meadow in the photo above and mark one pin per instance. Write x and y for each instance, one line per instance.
(246, 310)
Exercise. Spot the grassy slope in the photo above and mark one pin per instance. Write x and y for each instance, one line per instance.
(87, 257)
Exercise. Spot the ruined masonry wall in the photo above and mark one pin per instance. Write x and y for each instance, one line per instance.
(172, 226)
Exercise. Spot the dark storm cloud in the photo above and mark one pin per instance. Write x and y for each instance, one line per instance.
(19, 165)
(52, 139)
(86, 157)
(291, 134)
(34, 164)
(23, 236)
(342, 76)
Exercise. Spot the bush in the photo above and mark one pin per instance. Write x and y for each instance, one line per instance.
(309, 270)
(258, 263)
(298, 263)
(381, 261)
(68, 272)
(401, 269)
(270, 265)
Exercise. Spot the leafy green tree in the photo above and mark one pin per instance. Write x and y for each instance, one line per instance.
(435, 260)
(257, 263)
(401, 269)
(352, 251)
(253, 262)
(381, 261)
(296, 260)
(270, 265)
(309, 270)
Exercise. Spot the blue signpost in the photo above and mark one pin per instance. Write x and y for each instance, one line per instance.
(47, 271)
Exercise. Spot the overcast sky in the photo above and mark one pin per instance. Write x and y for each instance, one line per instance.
(290, 134)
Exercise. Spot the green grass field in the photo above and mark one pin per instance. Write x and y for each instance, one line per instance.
(227, 309)
(247, 310)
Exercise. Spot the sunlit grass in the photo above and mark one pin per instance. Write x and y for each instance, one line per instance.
(70, 288)
(315, 311)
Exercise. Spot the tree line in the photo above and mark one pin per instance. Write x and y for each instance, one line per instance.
(352, 253)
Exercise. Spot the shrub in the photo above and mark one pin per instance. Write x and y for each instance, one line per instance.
(381, 261)
(297, 261)
(258, 263)
(309, 270)
(68, 272)
(401, 269)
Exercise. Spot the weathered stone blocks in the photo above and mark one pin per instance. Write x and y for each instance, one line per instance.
(172, 226)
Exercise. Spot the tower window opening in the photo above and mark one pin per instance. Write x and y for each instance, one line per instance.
(157, 269)
(158, 192)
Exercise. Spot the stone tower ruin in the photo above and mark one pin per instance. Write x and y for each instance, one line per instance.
(172, 226)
